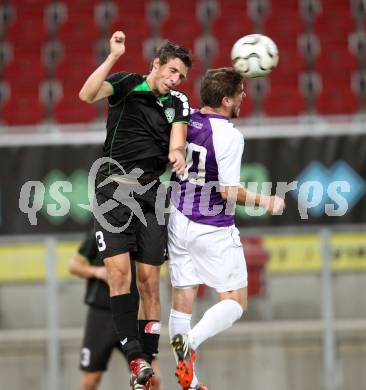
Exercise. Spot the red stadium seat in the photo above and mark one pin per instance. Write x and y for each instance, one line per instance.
(335, 62)
(23, 107)
(181, 24)
(336, 98)
(229, 27)
(71, 109)
(80, 33)
(284, 98)
(256, 257)
(136, 30)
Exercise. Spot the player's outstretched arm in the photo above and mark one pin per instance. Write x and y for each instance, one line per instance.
(239, 194)
(177, 145)
(80, 267)
(95, 87)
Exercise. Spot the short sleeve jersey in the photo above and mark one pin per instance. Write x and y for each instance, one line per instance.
(214, 153)
(139, 124)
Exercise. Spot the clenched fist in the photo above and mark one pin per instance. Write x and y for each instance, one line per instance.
(276, 205)
(117, 43)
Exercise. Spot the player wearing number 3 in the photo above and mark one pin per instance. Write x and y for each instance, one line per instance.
(146, 129)
(203, 243)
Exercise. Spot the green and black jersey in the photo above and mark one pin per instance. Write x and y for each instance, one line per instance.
(139, 125)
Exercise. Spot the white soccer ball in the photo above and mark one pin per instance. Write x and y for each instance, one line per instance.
(254, 55)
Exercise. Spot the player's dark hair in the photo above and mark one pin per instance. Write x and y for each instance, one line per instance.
(218, 83)
(169, 50)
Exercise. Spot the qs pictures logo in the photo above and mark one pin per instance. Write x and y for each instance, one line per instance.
(333, 190)
(57, 197)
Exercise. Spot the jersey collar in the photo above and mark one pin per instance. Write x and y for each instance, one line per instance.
(144, 87)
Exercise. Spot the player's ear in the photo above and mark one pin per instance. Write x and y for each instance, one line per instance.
(226, 102)
(156, 63)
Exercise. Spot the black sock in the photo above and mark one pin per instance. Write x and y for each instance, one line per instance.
(124, 312)
(149, 331)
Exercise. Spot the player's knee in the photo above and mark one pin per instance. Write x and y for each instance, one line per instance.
(243, 302)
(238, 296)
(149, 288)
(118, 280)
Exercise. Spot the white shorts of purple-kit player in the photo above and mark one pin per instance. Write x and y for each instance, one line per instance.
(205, 254)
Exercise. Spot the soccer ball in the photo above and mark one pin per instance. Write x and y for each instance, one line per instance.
(254, 55)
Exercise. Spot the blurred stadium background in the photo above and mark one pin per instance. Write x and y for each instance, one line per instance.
(306, 324)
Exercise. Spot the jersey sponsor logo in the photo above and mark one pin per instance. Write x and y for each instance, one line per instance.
(195, 124)
(85, 357)
(170, 114)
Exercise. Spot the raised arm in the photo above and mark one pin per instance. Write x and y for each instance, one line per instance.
(95, 87)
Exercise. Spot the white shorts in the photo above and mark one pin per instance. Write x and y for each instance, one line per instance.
(205, 254)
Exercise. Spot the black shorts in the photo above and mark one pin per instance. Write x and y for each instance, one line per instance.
(100, 339)
(146, 244)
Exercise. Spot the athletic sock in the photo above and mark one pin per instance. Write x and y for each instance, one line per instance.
(179, 322)
(124, 313)
(149, 331)
(215, 320)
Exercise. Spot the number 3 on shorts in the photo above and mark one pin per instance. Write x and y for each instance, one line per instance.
(100, 241)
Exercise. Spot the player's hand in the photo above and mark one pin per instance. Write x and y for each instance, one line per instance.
(117, 43)
(101, 273)
(178, 161)
(276, 205)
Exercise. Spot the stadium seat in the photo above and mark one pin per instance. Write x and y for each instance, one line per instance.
(136, 30)
(83, 36)
(71, 109)
(336, 97)
(229, 27)
(79, 26)
(335, 63)
(24, 74)
(256, 257)
(181, 24)
(23, 106)
(284, 98)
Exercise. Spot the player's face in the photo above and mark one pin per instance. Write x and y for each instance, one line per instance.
(236, 103)
(169, 75)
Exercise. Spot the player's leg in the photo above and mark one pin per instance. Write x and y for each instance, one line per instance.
(181, 311)
(185, 285)
(151, 253)
(179, 326)
(156, 380)
(240, 296)
(90, 380)
(114, 232)
(218, 317)
(124, 306)
(114, 248)
(221, 267)
(148, 283)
